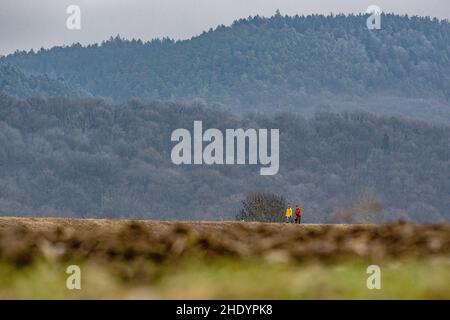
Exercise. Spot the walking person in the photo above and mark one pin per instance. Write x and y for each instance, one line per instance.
(298, 215)
(288, 215)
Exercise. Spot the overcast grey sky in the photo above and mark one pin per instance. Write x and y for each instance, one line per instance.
(26, 24)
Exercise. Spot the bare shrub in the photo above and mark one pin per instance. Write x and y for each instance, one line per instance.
(265, 207)
(367, 208)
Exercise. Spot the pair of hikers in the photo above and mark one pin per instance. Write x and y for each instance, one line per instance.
(298, 215)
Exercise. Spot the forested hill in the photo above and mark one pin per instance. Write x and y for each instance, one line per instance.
(15, 82)
(86, 157)
(267, 63)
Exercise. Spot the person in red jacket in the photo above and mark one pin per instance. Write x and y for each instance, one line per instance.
(298, 214)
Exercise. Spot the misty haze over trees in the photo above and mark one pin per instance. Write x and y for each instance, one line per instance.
(85, 131)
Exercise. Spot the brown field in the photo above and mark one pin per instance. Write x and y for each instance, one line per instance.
(137, 252)
(23, 239)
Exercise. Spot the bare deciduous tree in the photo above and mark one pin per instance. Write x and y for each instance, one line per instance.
(367, 208)
(260, 206)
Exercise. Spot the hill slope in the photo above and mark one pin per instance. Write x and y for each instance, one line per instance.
(298, 63)
(86, 157)
(17, 83)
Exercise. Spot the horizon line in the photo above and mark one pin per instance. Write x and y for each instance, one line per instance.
(212, 29)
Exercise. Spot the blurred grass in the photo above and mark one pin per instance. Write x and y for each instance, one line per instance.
(231, 279)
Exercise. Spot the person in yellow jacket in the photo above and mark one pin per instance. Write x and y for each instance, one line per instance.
(288, 215)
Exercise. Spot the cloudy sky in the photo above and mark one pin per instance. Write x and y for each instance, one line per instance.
(26, 24)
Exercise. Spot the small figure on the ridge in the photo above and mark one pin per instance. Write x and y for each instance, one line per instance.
(298, 215)
(288, 214)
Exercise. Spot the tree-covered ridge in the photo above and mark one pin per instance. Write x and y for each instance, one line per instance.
(15, 82)
(86, 157)
(263, 61)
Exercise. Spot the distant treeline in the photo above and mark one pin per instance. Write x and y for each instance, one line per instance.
(15, 82)
(85, 157)
(292, 63)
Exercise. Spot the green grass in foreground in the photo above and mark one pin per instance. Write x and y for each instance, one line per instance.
(228, 279)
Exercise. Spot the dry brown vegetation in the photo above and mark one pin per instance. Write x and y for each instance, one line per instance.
(23, 240)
